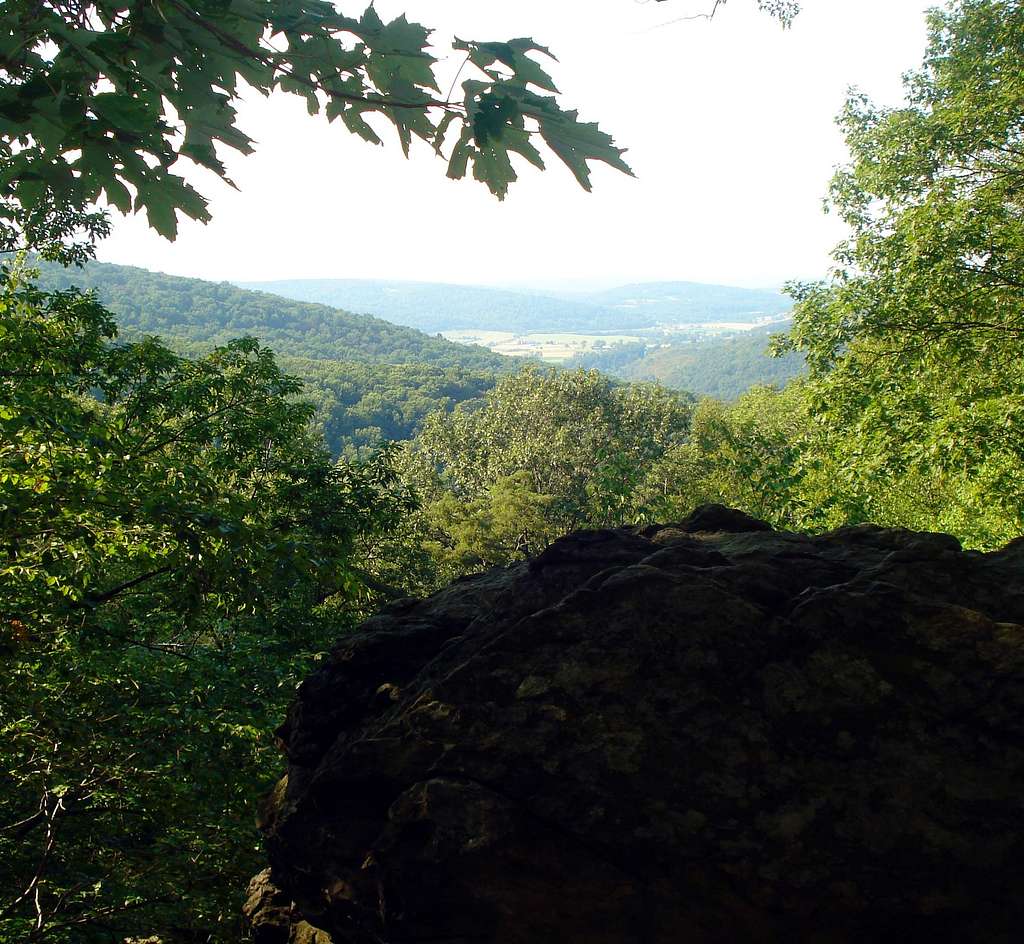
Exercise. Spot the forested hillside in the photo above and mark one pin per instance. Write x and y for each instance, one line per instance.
(435, 307)
(712, 367)
(370, 381)
(210, 313)
(360, 405)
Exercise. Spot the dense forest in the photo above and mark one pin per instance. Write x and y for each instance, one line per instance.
(201, 487)
(370, 381)
(361, 406)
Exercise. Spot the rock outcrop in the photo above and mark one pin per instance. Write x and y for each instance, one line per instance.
(703, 732)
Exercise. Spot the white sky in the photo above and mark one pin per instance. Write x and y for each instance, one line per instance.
(729, 126)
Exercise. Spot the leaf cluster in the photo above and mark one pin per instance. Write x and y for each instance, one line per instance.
(99, 101)
(542, 453)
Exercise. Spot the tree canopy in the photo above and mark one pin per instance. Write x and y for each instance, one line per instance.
(916, 347)
(544, 452)
(172, 538)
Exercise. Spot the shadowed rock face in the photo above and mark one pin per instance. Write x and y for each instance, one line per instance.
(704, 732)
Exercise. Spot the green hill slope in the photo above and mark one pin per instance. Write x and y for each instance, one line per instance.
(362, 405)
(208, 313)
(370, 381)
(715, 367)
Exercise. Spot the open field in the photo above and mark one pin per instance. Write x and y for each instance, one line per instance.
(555, 347)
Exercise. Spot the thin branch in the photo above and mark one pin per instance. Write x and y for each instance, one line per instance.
(50, 814)
(465, 62)
(95, 600)
(696, 16)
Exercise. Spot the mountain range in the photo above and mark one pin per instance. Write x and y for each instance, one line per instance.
(436, 307)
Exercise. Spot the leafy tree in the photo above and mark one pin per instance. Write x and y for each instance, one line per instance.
(556, 426)
(509, 520)
(101, 99)
(916, 347)
(172, 541)
(747, 455)
(545, 452)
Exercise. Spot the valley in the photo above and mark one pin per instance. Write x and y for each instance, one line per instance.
(562, 347)
(651, 331)
(555, 348)
(374, 380)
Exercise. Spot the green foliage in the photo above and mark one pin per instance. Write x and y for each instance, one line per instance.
(359, 406)
(369, 381)
(544, 453)
(775, 455)
(173, 539)
(784, 10)
(100, 100)
(746, 455)
(916, 348)
(507, 521)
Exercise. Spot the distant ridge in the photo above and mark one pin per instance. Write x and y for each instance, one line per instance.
(666, 302)
(436, 306)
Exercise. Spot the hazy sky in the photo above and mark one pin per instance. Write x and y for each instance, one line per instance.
(729, 125)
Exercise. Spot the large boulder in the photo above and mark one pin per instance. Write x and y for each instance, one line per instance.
(702, 732)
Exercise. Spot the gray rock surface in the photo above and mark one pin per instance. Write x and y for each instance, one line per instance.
(701, 732)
